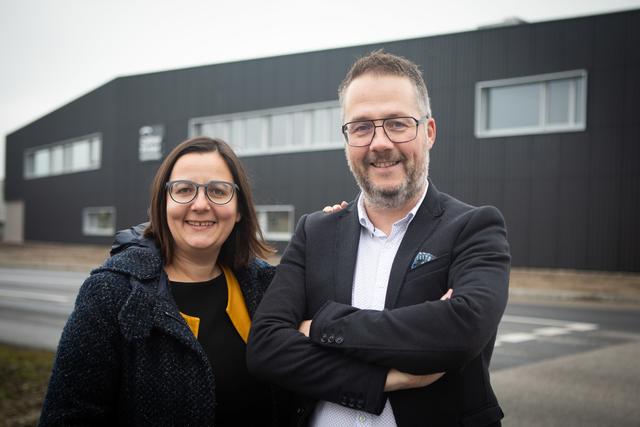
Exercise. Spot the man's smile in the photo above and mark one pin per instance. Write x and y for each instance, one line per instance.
(384, 164)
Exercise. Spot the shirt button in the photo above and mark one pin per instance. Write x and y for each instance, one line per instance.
(362, 418)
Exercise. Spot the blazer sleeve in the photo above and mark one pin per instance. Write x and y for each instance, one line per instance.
(432, 336)
(84, 381)
(279, 353)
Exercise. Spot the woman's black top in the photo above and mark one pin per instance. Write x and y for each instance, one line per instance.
(241, 399)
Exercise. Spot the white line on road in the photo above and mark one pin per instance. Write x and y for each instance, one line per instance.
(546, 322)
(552, 328)
(551, 331)
(515, 337)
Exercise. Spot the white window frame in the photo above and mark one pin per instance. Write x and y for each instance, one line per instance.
(93, 162)
(275, 236)
(195, 127)
(87, 230)
(481, 106)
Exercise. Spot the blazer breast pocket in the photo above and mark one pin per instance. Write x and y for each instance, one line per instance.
(426, 282)
(426, 267)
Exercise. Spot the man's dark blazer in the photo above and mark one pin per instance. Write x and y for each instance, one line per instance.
(345, 360)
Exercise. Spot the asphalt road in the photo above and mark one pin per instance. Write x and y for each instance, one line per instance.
(35, 304)
(554, 364)
(568, 365)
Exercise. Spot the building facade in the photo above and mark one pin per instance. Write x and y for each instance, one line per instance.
(540, 120)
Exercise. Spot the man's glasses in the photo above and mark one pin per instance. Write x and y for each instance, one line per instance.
(218, 192)
(398, 129)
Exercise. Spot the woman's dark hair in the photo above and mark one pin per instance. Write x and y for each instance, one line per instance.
(245, 241)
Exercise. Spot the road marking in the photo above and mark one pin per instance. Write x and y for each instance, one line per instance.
(582, 327)
(540, 321)
(551, 331)
(515, 337)
(34, 296)
(551, 328)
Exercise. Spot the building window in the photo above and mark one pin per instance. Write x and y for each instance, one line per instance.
(287, 129)
(276, 221)
(70, 156)
(256, 133)
(150, 143)
(41, 163)
(281, 130)
(531, 105)
(99, 221)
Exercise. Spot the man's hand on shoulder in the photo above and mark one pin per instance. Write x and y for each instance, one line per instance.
(335, 208)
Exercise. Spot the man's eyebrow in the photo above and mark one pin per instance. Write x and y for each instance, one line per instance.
(369, 118)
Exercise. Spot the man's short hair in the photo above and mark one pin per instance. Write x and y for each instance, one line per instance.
(383, 63)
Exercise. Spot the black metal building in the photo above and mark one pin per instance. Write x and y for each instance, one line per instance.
(541, 120)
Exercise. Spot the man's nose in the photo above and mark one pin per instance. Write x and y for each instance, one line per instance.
(380, 140)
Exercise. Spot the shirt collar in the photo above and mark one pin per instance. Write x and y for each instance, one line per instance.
(364, 220)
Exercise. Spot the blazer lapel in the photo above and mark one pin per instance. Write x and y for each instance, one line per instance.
(423, 224)
(346, 250)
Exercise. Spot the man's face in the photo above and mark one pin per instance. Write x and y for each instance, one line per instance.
(389, 174)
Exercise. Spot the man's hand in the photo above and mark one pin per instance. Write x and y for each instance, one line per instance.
(397, 380)
(335, 208)
(305, 327)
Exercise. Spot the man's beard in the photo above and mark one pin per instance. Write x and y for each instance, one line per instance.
(391, 197)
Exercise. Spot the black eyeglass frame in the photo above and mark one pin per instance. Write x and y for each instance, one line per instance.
(234, 189)
(422, 119)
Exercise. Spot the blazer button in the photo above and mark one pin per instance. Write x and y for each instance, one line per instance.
(339, 340)
(331, 339)
(323, 338)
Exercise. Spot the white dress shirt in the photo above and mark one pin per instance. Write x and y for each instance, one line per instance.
(376, 252)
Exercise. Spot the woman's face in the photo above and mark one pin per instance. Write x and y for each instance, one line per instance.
(200, 227)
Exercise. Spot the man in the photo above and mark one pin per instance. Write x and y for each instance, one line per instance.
(355, 319)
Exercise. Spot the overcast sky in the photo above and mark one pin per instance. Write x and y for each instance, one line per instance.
(52, 51)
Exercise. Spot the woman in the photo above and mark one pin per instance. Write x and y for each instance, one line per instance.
(158, 333)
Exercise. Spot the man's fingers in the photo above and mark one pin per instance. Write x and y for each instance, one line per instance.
(335, 208)
(447, 295)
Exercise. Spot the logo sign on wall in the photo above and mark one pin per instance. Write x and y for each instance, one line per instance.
(150, 146)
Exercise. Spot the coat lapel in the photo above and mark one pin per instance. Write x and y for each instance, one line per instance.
(168, 319)
(423, 224)
(346, 251)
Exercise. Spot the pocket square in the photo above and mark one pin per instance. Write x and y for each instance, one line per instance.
(422, 258)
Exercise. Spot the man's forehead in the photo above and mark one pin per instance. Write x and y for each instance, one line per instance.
(372, 75)
(372, 94)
